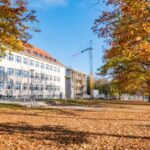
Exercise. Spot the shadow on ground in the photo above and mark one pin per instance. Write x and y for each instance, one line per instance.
(57, 134)
(70, 115)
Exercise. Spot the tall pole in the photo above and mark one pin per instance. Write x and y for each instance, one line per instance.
(91, 57)
(91, 77)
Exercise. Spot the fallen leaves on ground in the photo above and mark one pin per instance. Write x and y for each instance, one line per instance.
(113, 129)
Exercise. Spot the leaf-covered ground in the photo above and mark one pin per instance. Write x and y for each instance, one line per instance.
(105, 129)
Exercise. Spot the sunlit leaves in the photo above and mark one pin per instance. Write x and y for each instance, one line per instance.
(127, 31)
(14, 24)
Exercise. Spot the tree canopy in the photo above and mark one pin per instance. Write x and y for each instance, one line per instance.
(126, 28)
(15, 21)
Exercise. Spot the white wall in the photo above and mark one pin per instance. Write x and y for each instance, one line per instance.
(21, 66)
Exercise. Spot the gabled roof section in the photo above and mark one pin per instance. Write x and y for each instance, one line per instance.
(37, 52)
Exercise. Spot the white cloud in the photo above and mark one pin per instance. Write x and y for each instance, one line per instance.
(48, 3)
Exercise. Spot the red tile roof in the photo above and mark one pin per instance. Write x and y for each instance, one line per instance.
(40, 53)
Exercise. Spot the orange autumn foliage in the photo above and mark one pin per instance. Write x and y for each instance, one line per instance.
(14, 24)
(126, 29)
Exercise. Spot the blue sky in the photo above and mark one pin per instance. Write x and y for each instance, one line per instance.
(65, 26)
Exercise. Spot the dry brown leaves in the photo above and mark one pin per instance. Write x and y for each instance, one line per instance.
(74, 130)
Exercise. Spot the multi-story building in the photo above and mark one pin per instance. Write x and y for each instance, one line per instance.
(75, 84)
(31, 72)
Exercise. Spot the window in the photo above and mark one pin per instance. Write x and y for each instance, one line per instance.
(55, 78)
(58, 79)
(32, 75)
(1, 71)
(42, 65)
(25, 73)
(18, 73)
(47, 87)
(10, 71)
(47, 78)
(37, 75)
(1, 85)
(55, 69)
(31, 62)
(9, 85)
(37, 87)
(18, 86)
(58, 69)
(42, 87)
(18, 59)
(42, 76)
(51, 68)
(47, 66)
(58, 88)
(25, 86)
(55, 88)
(31, 87)
(37, 64)
(25, 61)
(51, 78)
(10, 57)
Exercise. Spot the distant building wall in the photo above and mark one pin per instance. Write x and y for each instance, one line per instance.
(75, 84)
(126, 97)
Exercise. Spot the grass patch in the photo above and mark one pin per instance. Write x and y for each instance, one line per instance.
(11, 106)
(94, 102)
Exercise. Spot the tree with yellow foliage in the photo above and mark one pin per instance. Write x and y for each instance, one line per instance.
(14, 24)
(126, 28)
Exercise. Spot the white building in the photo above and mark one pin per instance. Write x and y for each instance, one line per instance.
(32, 72)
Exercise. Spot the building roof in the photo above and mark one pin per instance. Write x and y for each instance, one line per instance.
(76, 71)
(37, 52)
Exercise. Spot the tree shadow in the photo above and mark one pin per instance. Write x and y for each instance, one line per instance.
(57, 112)
(58, 134)
(69, 115)
(145, 126)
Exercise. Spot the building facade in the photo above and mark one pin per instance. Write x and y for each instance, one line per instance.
(31, 73)
(75, 84)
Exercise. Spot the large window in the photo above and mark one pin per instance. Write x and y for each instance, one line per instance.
(42, 65)
(1, 85)
(10, 57)
(55, 78)
(9, 85)
(58, 88)
(47, 77)
(37, 76)
(18, 86)
(47, 66)
(10, 72)
(55, 69)
(1, 71)
(51, 68)
(18, 73)
(25, 61)
(25, 86)
(51, 78)
(42, 87)
(42, 76)
(25, 73)
(37, 64)
(37, 87)
(18, 59)
(31, 62)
